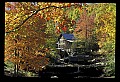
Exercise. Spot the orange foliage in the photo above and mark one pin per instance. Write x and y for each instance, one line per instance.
(26, 27)
(84, 26)
(64, 28)
(48, 18)
(69, 5)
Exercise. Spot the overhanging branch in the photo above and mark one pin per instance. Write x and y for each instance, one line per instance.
(35, 12)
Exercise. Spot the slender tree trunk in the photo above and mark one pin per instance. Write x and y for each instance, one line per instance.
(15, 74)
(16, 65)
(86, 43)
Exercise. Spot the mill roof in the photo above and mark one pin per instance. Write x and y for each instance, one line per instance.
(67, 36)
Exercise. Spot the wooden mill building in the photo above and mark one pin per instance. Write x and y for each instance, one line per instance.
(64, 44)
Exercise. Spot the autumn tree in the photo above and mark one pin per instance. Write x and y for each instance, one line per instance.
(29, 28)
(21, 46)
(105, 22)
(84, 30)
(97, 24)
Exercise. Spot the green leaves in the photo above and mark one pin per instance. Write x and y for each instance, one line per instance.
(109, 70)
(73, 13)
(50, 27)
(106, 23)
(41, 30)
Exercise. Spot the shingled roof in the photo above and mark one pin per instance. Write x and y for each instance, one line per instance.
(68, 36)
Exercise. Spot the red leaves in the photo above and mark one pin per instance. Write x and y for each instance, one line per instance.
(57, 30)
(38, 15)
(48, 18)
(64, 28)
(69, 5)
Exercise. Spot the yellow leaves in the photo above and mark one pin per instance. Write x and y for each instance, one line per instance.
(22, 66)
(15, 59)
(7, 57)
(112, 34)
(55, 4)
(100, 44)
(29, 40)
(47, 4)
(105, 23)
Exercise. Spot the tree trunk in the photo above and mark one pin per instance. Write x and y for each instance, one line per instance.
(16, 65)
(15, 74)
